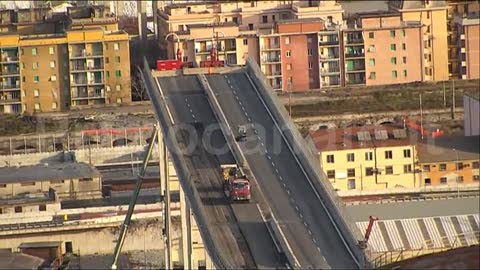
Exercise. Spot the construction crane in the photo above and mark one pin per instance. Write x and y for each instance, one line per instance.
(133, 200)
(371, 221)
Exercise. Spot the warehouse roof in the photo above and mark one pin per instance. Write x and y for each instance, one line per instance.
(449, 148)
(48, 172)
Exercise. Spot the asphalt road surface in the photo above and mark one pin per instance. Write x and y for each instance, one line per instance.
(307, 228)
(231, 227)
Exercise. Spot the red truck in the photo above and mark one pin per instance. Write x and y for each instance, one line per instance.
(235, 185)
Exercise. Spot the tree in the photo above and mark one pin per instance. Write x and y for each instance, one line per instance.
(139, 93)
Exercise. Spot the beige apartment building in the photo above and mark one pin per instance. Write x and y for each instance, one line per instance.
(433, 17)
(44, 69)
(229, 25)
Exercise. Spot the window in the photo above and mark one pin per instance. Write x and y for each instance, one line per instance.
(119, 100)
(250, 26)
(404, 73)
(35, 65)
(264, 19)
(53, 78)
(52, 64)
(368, 171)
(350, 157)
(18, 209)
(371, 35)
(273, 18)
(116, 46)
(388, 154)
(393, 47)
(86, 179)
(117, 59)
(407, 168)
(407, 153)
(443, 167)
(393, 60)
(392, 33)
(459, 166)
(404, 60)
(288, 53)
(371, 62)
(394, 74)
(25, 184)
(245, 41)
(350, 172)
(371, 48)
(235, 19)
(330, 159)
(34, 51)
(3, 185)
(23, 65)
(51, 50)
(351, 183)
(37, 106)
(107, 74)
(35, 79)
(372, 76)
(459, 179)
(389, 170)
(369, 156)
(118, 87)
(426, 168)
(310, 52)
(443, 180)
(21, 52)
(107, 60)
(118, 73)
(404, 46)
(403, 32)
(428, 182)
(331, 174)
(310, 65)
(287, 40)
(476, 177)
(475, 165)
(289, 66)
(36, 93)
(42, 207)
(54, 105)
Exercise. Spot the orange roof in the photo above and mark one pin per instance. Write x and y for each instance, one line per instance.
(351, 138)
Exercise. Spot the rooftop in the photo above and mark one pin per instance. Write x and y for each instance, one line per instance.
(10, 260)
(40, 244)
(50, 172)
(449, 148)
(361, 137)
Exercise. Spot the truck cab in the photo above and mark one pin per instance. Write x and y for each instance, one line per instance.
(236, 186)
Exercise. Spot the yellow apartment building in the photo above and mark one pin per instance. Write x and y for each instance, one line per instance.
(449, 161)
(73, 68)
(367, 158)
(433, 17)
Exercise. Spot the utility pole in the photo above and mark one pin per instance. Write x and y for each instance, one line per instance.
(421, 116)
(453, 99)
(444, 96)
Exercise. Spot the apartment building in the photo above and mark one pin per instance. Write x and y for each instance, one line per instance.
(467, 49)
(251, 18)
(387, 49)
(367, 158)
(449, 161)
(85, 64)
(433, 17)
(457, 12)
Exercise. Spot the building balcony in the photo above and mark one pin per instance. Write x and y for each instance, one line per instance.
(9, 59)
(274, 47)
(356, 41)
(10, 72)
(325, 71)
(95, 82)
(273, 74)
(271, 60)
(9, 100)
(354, 55)
(10, 87)
(328, 42)
(86, 55)
(79, 82)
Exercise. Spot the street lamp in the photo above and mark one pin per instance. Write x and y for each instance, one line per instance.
(178, 41)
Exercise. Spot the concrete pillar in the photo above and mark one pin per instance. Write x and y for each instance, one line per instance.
(186, 246)
(142, 19)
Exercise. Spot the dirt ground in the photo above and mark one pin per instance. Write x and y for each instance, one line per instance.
(461, 258)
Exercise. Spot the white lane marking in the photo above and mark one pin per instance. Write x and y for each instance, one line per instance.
(186, 100)
(305, 223)
(281, 178)
(240, 103)
(273, 164)
(249, 119)
(253, 126)
(301, 216)
(228, 81)
(269, 157)
(296, 208)
(255, 131)
(225, 76)
(243, 109)
(318, 249)
(276, 170)
(314, 240)
(191, 110)
(193, 115)
(309, 232)
(258, 138)
(261, 142)
(283, 184)
(288, 191)
(236, 97)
